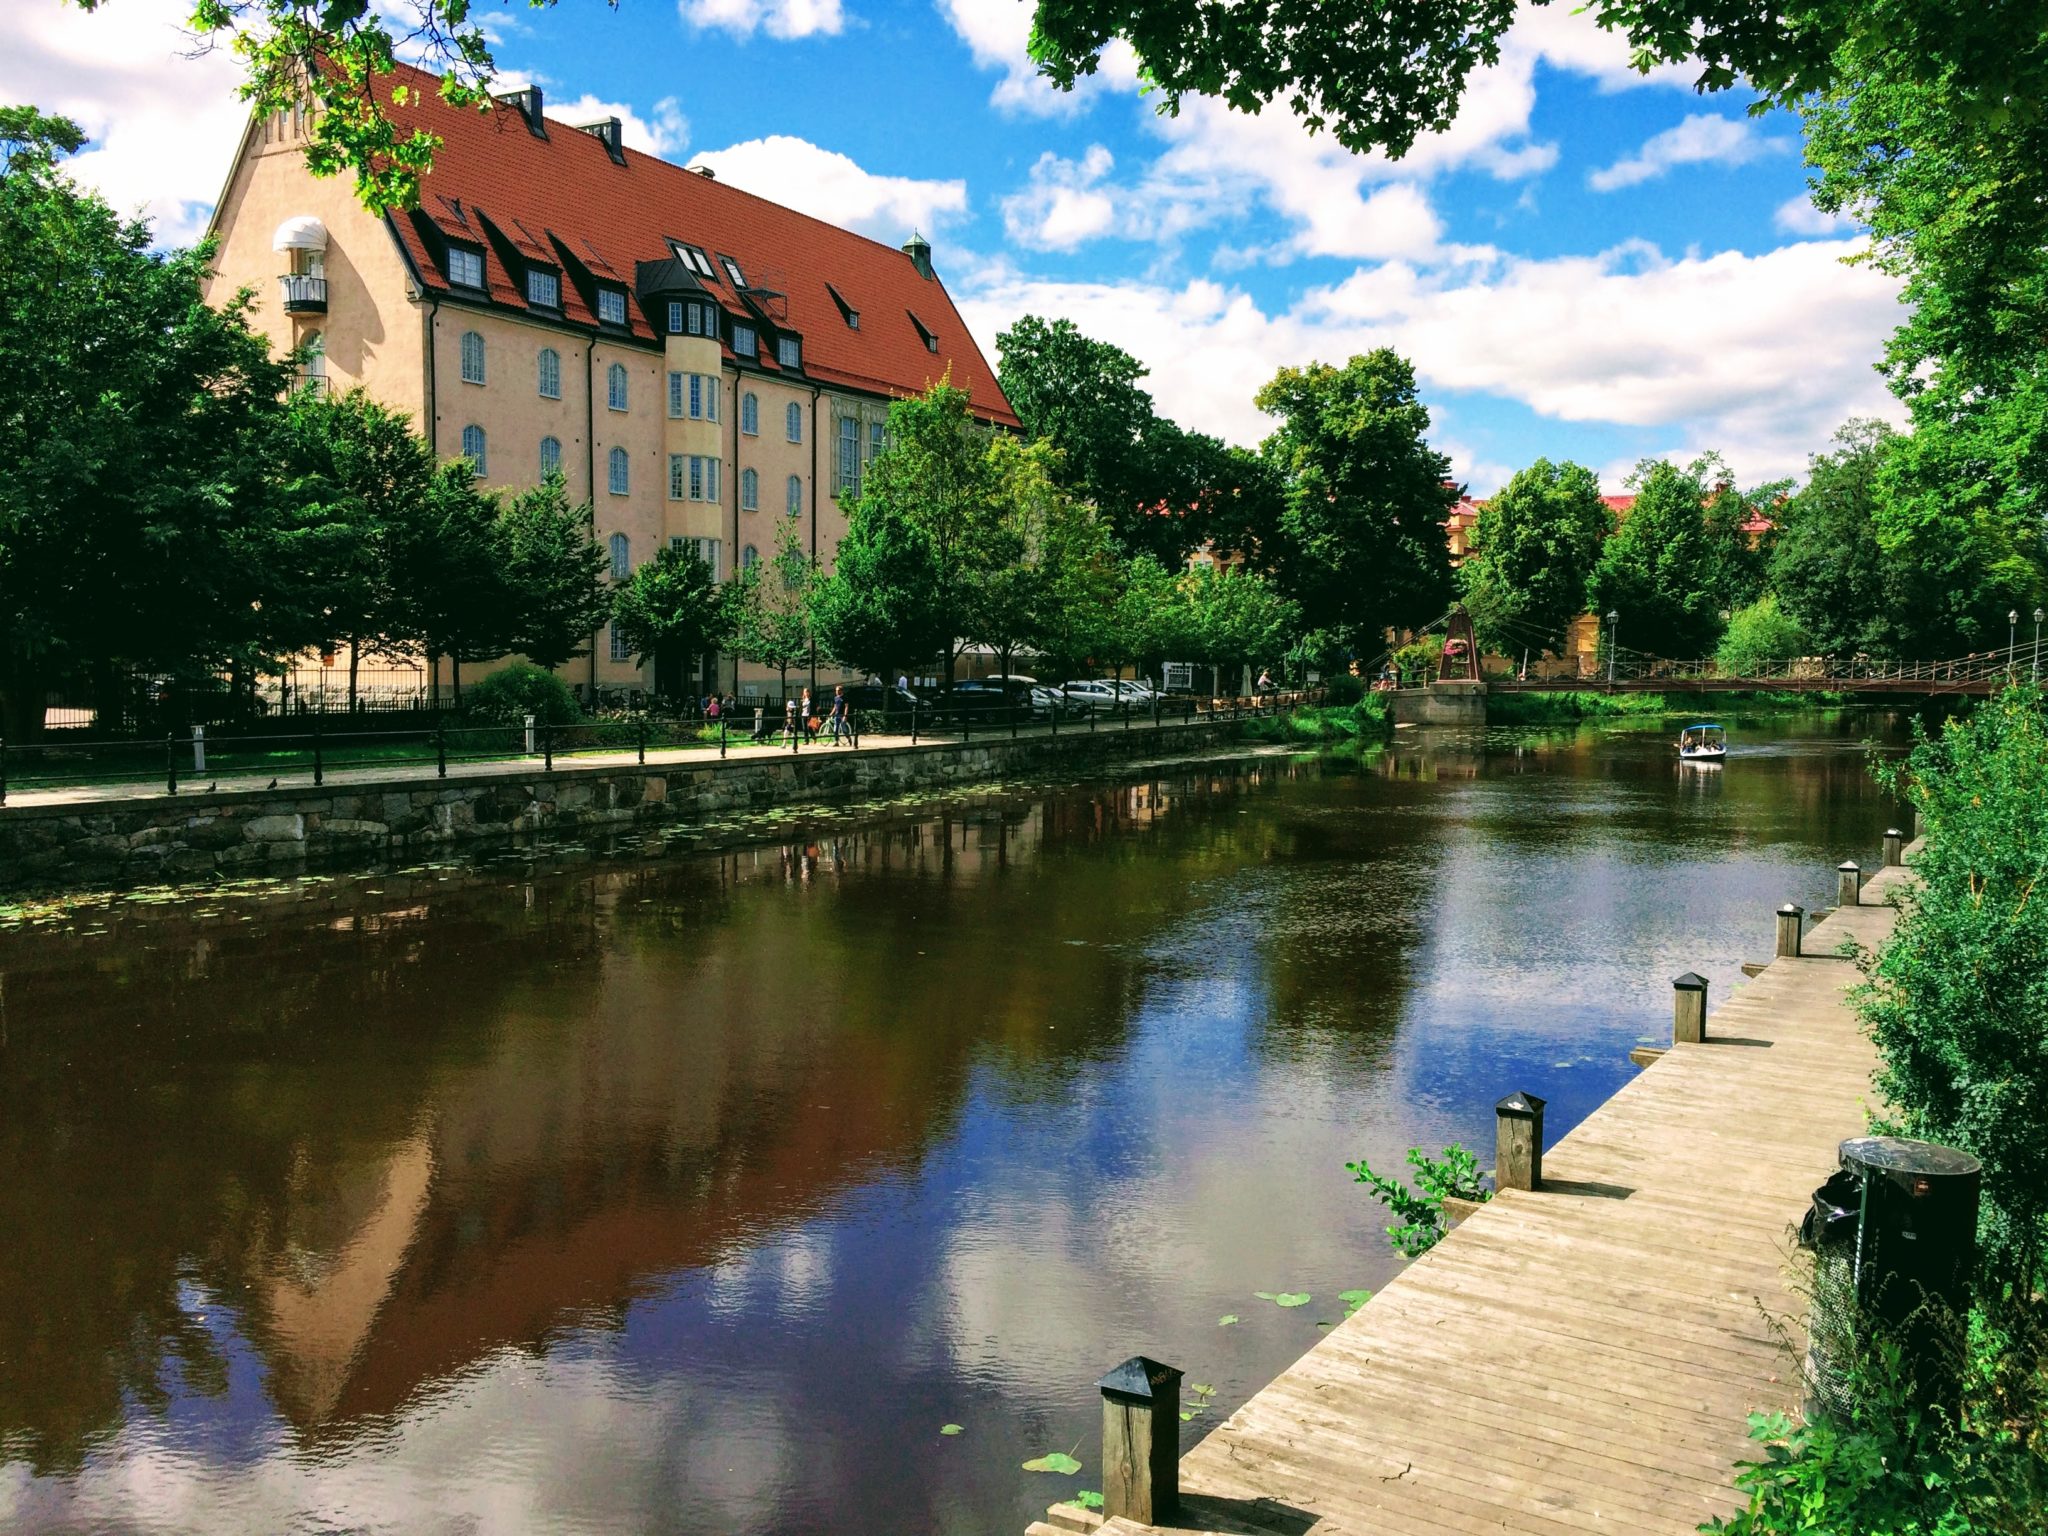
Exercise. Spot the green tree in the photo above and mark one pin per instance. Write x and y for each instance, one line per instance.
(1234, 619)
(672, 611)
(876, 611)
(1365, 495)
(449, 590)
(774, 606)
(137, 520)
(1077, 598)
(938, 476)
(1759, 633)
(1831, 576)
(1149, 624)
(1661, 570)
(1534, 547)
(554, 574)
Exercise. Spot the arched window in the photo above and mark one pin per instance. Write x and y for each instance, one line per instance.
(550, 363)
(749, 558)
(796, 494)
(750, 491)
(550, 456)
(750, 414)
(474, 448)
(793, 422)
(618, 471)
(615, 386)
(472, 358)
(313, 366)
(622, 559)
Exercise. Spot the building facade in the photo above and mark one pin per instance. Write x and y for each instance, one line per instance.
(700, 364)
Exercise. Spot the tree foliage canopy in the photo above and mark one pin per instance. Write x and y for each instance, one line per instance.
(1533, 548)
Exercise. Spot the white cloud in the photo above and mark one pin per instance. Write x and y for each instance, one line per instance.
(998, 34)
(1798, 216)
(783, 19)
(164, 125)
(1703, 138)
(831, 186)
(1763, 356)
(1064, 204)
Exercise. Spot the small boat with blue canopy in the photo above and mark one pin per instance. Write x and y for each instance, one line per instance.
(1705, 743)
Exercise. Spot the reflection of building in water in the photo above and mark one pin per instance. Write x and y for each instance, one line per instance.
(392, 1123)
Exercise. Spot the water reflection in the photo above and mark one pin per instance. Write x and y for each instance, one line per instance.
(695, 1192)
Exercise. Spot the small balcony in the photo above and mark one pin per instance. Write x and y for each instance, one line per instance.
(303, 294)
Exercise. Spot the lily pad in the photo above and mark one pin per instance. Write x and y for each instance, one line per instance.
(1226, 1320)
(949, 1429)
(1058, 1461)
(1088, 1498)
(1185, 1415)
(1353, 1300)
(1202, 1390)
(1285, 1298)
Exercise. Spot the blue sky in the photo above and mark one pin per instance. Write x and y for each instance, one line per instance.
(1588, 264)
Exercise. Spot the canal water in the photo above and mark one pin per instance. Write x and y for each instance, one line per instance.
(676, 1190)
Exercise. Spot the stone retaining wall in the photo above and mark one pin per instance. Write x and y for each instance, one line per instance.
(230, 832)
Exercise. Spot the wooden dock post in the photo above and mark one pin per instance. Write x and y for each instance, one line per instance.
(1894, 847)
(1790, 918)
(1689, 1009)
(1848, 884)
(1141, 1441)
(1518, 1142)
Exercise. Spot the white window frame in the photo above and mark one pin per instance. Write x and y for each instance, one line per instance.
(750, 414)
(618, 472)
(476, 447)
(793, 421)
(750, 490)
(473, 368)
(620, 650)
(732, 270)
(847, 460)
(550, 456)
(539, 283)
(794, 495)
(465, 267)
(617, 387)
(744, 342)
(693, 477)
(622, 557)
(611, 306)
(548, 366)
(789, 352)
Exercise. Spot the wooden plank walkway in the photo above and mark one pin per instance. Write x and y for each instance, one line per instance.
(1583, 1358)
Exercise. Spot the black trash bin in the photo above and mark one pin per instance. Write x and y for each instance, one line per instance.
(1894, 1237)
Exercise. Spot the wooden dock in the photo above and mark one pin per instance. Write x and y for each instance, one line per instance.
(1582, 1358)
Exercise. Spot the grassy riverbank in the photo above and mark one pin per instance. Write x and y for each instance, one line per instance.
(1361, 723)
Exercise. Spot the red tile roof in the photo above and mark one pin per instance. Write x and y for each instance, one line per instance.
(499, 185)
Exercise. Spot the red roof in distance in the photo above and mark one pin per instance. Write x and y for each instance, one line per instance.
(497, 183)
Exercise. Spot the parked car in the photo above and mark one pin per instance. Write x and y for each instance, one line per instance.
(889, 700)
(1016, 693)
(1091, 696)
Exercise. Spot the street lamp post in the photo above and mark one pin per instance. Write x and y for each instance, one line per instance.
(2012, 643)
(1613, 631)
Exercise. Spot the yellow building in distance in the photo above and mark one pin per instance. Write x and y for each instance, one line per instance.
(701, 364)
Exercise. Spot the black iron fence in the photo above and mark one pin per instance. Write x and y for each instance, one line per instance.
(320, 746)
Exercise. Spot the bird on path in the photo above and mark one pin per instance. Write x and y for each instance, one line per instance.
(213, 786)
(271, 785)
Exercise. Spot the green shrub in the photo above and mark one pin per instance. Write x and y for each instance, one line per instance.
(512, 693)
(1957, 1000)
(1344, 688)
(1419, 657)
(1420, 1212)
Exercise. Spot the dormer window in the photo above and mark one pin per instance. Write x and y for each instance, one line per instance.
(611, 306)
(465, 267)
(732, 270)
(846, 311)
(693, 258)
(543, 289)
(931, 340)
(704, 320)
(789, 352)
(743, 340)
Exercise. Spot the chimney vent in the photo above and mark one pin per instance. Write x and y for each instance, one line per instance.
(919, 250)
(528, 101)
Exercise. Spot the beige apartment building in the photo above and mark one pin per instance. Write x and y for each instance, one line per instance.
(700, 363)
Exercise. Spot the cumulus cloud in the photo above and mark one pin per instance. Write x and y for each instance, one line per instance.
(1798, 216)
(998, 34)
(783, 19)
(1064, 202)
(1703, 138)
(664, 132)
(831, 186)
(164, 122)
(1761, 355)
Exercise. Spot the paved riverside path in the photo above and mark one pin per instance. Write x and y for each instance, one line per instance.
(422, 770)
(1582, 1358)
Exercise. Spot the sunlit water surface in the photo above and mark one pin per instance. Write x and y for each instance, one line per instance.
(697, 1192)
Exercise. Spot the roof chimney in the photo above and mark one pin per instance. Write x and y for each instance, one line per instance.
(610, 134)
(706, 172)
(919, 250)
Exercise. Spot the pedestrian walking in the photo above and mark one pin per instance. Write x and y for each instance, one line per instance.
(842, 724)
(807, 717)
(789, 718)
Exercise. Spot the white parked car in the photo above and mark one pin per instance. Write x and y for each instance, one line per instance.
(1091, 696)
